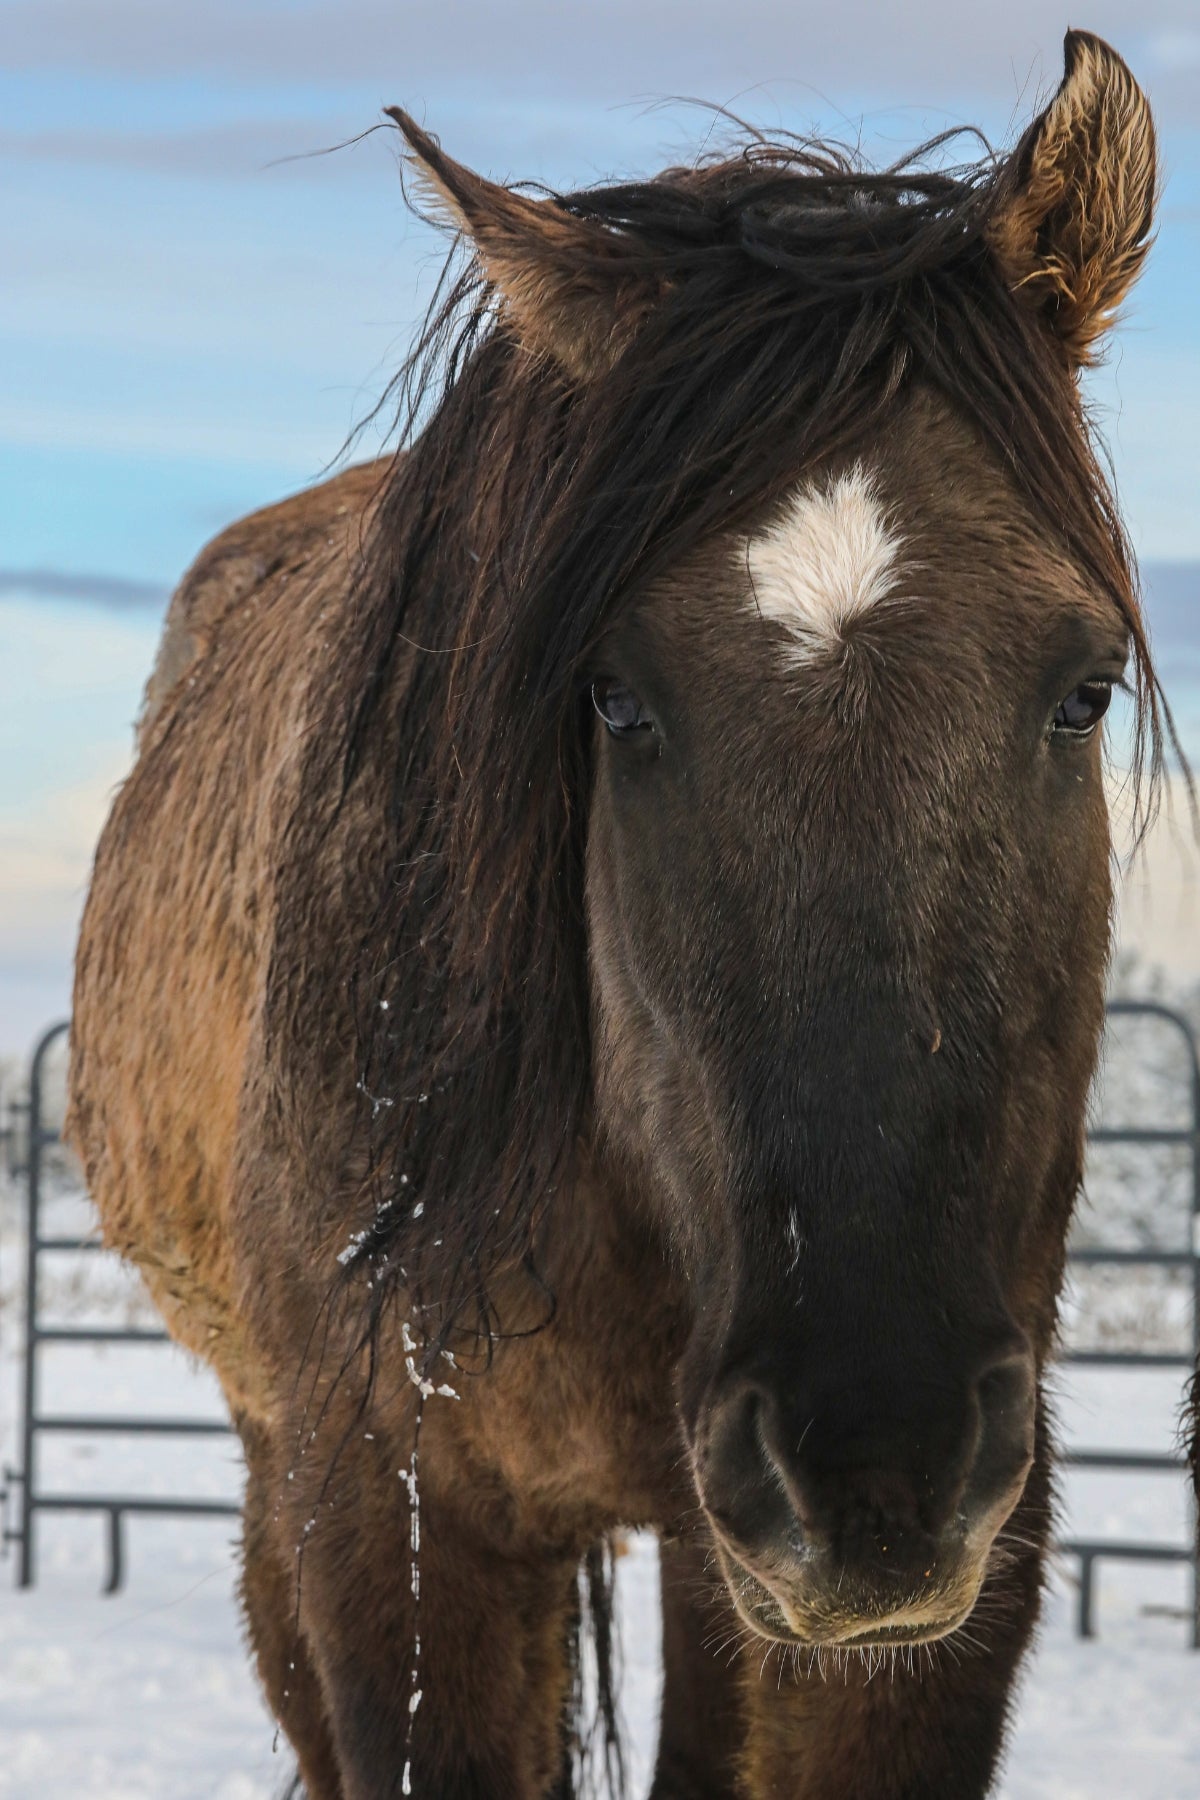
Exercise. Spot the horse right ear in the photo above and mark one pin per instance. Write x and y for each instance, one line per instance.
(1076, 206)
(575, 290)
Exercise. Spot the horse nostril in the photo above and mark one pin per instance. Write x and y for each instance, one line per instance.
(1005, 1392)
(1005, 1388)
(740, 1479)
(850, 1476)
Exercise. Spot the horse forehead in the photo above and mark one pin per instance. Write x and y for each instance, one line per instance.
(830, 555)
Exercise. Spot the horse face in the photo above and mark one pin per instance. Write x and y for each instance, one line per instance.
(848, 900)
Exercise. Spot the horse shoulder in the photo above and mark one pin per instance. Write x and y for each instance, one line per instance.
(238, 565)
(176, 936)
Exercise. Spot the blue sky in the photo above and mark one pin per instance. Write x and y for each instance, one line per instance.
(190, 327)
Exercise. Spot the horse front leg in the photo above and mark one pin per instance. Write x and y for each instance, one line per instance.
(443, 1659)
(923, 1724)
(702, 1729)
(269, 1597)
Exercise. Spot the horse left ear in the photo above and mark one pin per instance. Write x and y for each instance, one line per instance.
(573, 288)
(1072, 225)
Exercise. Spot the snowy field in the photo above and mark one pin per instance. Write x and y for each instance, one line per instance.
(148, 1695)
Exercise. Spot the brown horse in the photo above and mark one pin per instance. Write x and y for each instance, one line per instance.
(587, 998)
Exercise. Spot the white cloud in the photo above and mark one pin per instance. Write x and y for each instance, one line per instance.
(69, 688)
(45, 858)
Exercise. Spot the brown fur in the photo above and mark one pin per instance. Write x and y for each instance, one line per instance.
(571, 295)
(382, 908)
(220, 669)
(1077, 231)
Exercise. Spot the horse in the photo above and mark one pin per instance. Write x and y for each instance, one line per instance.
(587, 998)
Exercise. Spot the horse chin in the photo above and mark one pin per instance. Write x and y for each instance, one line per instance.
(815, 1627)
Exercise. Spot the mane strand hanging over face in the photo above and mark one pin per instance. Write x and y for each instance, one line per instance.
(624, 372)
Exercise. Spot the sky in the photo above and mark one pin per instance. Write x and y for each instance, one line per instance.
(196, 310)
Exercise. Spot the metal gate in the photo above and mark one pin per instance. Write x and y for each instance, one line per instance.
(31, 1498)
(1091, 1551)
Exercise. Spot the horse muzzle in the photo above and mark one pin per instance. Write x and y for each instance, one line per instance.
(825, 1608)
(869, 1532)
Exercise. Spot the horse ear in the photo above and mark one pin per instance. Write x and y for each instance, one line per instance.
(571, 286)
(1074, 212)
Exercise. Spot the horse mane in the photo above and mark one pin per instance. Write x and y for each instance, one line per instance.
(799, 294)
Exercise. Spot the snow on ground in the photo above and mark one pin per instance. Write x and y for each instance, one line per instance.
(148, 1694)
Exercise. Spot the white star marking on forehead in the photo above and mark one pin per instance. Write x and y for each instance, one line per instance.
(829, 556)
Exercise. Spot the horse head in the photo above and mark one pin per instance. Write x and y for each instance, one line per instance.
(819, 607)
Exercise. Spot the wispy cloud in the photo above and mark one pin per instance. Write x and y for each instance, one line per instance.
(237, 150)
(272, 443)
(96, 590)
(609, 51)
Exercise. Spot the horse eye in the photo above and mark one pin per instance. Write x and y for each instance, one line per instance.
(1083, 708)
(620, 709)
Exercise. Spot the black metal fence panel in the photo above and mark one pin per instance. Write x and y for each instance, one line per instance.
(27, 1136)
(27, 1160)
(1092, 1551)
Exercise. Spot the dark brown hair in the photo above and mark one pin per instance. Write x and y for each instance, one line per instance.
(796, 295)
